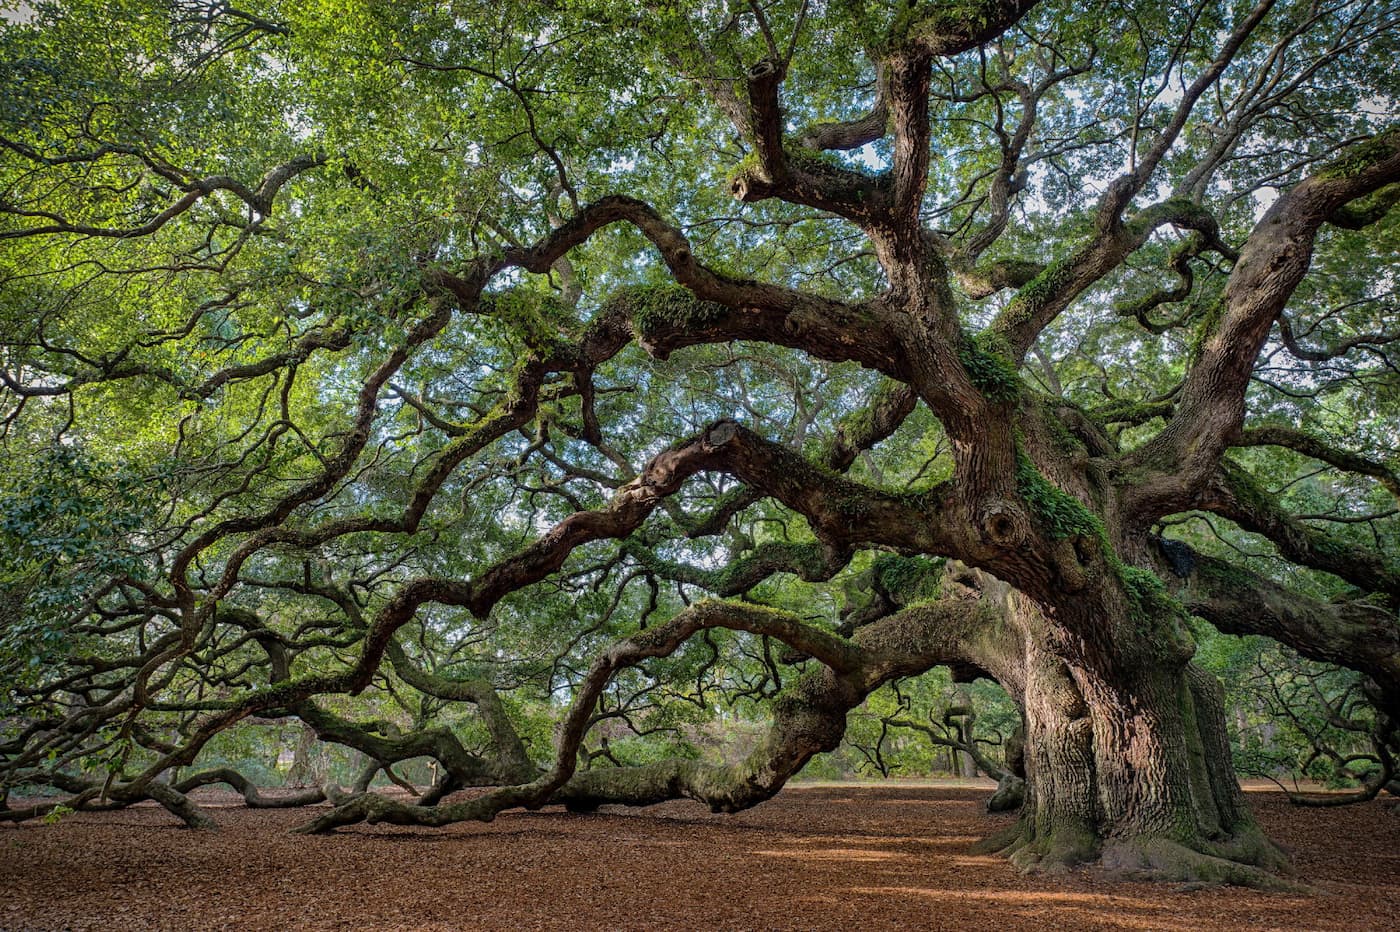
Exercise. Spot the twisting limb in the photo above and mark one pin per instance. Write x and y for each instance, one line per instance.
(1359, 635)
(251, 795)
(1236, 495)
(258, 199)
(1272, 262)
(810, 720)
(1320, 449)
(655, 642)
(838, 509)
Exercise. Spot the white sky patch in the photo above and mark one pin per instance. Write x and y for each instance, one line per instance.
(868, 156)
(1263, 199)
(16, 12)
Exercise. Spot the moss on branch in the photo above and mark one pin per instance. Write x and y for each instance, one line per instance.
(541, 320)
(653, 308)
(1063, 515)
(906, 579)
(987, 360)
(1067, 518)
(806, 560)
(1363, 155)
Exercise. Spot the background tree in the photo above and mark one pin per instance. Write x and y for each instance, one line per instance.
(449, 357)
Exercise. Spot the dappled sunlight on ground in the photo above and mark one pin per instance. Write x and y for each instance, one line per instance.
(870, 857)
(830, 854)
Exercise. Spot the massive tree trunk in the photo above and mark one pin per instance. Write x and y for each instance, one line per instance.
(1126, 753)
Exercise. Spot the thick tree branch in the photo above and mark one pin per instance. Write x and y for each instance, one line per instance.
(1320, 449)
(1234, 494)
(1360, 635)
(1273, 261)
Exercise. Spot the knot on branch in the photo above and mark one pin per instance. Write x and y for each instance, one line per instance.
(748, 184)
(1004, 524)
(768, 69)
(720, 433)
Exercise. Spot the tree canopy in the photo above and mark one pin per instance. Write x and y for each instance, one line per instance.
(536, 387)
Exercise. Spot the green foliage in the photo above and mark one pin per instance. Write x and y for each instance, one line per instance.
(1061, 513)
(872, 740)
(188, 420)
(656, 307)
(56, 814)
(67, 526)
(1291, 719)
(983, 356)
(542, 320)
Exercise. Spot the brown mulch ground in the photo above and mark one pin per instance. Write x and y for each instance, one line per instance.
(888, 856)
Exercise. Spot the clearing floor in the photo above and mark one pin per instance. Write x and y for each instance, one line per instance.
(827, 857)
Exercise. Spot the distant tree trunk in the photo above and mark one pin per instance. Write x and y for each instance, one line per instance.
(962, 699)
(303, 770)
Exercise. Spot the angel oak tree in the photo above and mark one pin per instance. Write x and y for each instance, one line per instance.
(335, 364)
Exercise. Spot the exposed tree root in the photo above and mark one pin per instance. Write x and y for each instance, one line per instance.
(180, 805)
(1001, 841)
(1054, 854)
(1009, 795)
(1246, 860)
(1252, 847)
(1160, 859)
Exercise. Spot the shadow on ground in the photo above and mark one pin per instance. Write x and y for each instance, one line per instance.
(889, 856)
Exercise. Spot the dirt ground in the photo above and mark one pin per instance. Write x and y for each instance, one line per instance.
(831, 857)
